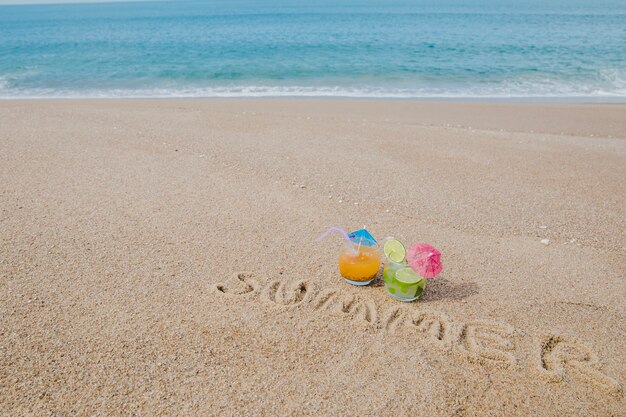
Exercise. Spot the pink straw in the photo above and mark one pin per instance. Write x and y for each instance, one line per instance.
(339, 230)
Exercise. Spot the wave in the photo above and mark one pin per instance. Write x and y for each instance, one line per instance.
(293, 92)
(522, 89)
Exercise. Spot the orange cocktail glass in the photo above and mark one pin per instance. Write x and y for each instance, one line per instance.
(359, 265)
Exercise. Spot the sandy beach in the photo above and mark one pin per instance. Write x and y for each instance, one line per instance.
(158, 257)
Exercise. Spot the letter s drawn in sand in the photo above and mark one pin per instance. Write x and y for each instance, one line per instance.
(239, 283)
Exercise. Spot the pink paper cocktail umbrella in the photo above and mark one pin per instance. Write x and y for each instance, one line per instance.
(425, 260)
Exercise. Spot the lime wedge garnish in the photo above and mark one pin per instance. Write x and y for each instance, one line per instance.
(407, 276)
(395, 250)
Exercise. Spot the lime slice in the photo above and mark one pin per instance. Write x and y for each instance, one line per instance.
(395, 250)
(407, 276)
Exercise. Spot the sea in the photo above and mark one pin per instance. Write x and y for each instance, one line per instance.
(435, 49)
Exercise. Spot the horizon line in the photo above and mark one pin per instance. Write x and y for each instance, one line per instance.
(50, 2)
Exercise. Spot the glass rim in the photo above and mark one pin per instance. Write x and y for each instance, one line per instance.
(403, 263)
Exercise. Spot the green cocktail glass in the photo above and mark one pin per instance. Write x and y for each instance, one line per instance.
(401, 282)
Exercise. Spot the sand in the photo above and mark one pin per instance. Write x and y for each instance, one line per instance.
(159, 258)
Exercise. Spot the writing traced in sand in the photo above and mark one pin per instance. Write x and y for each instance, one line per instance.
(486, 342)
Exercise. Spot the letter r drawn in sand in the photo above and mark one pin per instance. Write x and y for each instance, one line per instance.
(558, 354)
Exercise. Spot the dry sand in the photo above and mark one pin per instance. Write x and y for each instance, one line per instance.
(158, 258)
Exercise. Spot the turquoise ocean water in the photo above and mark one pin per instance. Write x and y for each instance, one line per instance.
(347, 48)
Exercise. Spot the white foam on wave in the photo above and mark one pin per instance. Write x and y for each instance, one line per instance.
(523, 89)
(4, 84)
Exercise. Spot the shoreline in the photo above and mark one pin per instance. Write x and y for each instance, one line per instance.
(455, 99)
(574, 119)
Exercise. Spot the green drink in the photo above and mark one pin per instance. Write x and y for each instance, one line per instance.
(401, 282)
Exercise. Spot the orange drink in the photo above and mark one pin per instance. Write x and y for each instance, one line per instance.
(359, 266)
